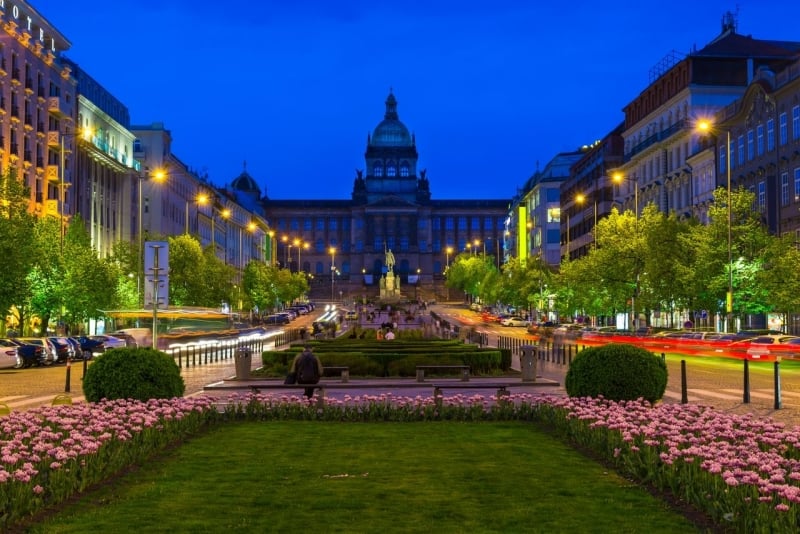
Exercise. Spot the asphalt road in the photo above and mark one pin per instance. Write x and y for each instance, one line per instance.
(707, 382)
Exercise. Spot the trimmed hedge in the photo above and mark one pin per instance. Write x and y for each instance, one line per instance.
(617, 371)
(133, 373)
(367, 357)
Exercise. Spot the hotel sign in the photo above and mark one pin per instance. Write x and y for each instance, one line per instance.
(15, 13)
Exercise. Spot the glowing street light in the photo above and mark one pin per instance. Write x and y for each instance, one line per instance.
(333, 271)
(706, 126)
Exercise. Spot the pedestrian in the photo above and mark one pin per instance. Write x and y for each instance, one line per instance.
(389, 335)
(379, 334)
(307, 369)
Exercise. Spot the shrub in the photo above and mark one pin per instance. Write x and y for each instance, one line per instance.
(617, 371)
(133, 373)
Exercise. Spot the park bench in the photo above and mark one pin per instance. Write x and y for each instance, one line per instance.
(343, 371)
(464, 369)
(500, 387)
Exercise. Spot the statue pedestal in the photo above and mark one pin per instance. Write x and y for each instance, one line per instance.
(390, 286)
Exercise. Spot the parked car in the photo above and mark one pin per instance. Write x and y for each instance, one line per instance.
(351, 316)
(46, 355)
(31, 354)
(130, 340)
(10, 357)
(277, 318)
(110, 342)
(64, 349)
(515, 320)
(87, 348)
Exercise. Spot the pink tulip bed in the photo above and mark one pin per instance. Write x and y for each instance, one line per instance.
(51, 453)
(742, 471)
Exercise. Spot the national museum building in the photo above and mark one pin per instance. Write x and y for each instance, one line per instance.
(345, 241)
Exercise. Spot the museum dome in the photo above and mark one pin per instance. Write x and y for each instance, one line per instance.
(245, 182)
(390, 131)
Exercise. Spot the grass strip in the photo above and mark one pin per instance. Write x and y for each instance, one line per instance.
(369, 477)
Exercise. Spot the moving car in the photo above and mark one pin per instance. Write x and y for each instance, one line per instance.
(515, 321)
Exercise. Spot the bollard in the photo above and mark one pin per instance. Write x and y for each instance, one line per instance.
(66, 387)
(746, 394)
(664, 358)
(778, 383)
(85, 364)
(684, 392)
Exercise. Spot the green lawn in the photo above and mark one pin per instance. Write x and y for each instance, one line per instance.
(369, 477)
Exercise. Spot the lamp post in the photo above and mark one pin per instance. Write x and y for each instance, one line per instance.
(706, 126)
(580, 198)
(226, 215)
(333, 272)
(158, 176)
(618, 177)
(448, 251)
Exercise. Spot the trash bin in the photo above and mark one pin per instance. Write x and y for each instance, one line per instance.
(243, 356)
(528, 363)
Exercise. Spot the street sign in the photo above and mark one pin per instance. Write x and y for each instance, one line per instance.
(156, 274)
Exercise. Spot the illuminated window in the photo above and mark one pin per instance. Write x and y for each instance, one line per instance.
(377, 170)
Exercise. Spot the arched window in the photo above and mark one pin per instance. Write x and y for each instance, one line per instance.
(377, 170)
(404, 170)
(391, 170)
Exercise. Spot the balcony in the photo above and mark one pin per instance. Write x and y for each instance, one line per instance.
(52, 174)
(57, 106)
(53, 139)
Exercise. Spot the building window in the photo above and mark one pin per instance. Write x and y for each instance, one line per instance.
(796, 123)
(359, 224)
(281, 224)
(750, 145)
(403, 244)
(333, 223)
(785, 189)
(741, 150)
(436, 223)
(307, 225)
(346, 247)
(760, 139)
(784, 133)
(770, 135)
(320, 223)
(377, 170)
(404, 171)
(359, 246)
(423, 245)
(319, 246)
(462, 223)
(390, 243)
(294, 224)
(449, 224)
(476, 223)
(422, 224)
(436, 246)
(487, 224)
(391, 170)
(797, 184)
(762, 196)
(346, 224)
(377, 245)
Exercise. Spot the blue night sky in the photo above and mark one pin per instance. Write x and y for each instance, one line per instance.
(490, 89)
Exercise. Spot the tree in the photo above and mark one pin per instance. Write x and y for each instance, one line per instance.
(16, 244)
(187, 283)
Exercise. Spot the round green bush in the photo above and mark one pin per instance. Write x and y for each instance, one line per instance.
(617, 371)
(133, 373)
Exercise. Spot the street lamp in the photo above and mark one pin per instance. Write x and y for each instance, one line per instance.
(618, 177)
(580, 198)
(159, 175)
(706, 126)
(333, 271)
(226, 215)
(448, 251)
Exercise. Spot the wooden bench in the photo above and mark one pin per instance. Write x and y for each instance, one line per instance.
(422, 368)
(343, 370)
(501, 387)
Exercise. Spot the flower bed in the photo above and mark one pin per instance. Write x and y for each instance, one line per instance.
(50, 453)
(742, 471)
